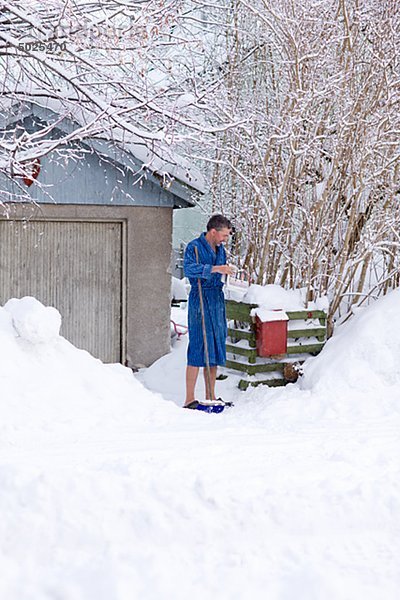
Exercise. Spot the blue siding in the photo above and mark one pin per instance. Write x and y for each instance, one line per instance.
(102, 174)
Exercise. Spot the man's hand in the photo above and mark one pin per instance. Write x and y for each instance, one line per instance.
(223, 269)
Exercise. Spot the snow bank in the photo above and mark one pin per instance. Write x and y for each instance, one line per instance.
(363, 355)
(107, 492)
(50, 388)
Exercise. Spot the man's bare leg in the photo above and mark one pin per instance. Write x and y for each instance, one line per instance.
(191, 378)
(210, 394)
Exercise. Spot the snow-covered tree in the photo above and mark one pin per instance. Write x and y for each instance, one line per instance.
(291, 105)
(121, 71)
(312, 180)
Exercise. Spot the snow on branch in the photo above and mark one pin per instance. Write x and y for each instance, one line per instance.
(122, 71)
(312, 179)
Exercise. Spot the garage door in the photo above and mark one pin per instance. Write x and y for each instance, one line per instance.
(74, 266)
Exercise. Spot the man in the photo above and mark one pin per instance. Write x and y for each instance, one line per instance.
(205, 260)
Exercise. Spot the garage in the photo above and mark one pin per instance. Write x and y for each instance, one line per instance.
(39, 259)
(90, 233)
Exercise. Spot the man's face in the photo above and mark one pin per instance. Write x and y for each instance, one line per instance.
(220, 236)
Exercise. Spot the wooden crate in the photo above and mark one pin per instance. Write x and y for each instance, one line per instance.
(241, 344)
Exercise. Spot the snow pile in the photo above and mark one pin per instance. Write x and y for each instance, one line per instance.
(178, 289)
(363, 355)
(32, 321)
(274, 296)
(51, 389)
(109, 492)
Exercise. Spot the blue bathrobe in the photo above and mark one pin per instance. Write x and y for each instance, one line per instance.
(213, 300)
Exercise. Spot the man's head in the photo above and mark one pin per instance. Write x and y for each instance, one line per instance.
(219, 229)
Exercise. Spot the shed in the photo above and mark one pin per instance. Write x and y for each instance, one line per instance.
(95, 242)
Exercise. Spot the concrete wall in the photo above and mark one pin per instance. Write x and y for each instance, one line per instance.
(146, 271)
(149, 284)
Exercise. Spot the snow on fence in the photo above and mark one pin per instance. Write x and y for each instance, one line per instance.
(306, 337)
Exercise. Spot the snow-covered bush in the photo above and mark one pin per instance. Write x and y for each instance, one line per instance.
(311, 181)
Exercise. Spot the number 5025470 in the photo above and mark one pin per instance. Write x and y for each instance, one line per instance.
(42, 46)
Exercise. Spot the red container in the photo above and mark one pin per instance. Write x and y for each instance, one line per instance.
(271, 337)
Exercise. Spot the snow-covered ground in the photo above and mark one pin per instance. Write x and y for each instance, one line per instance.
(110, 491)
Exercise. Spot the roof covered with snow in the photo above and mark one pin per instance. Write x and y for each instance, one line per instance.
(134, 148)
